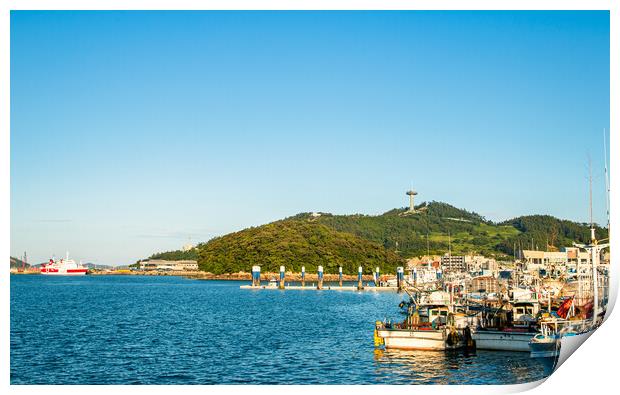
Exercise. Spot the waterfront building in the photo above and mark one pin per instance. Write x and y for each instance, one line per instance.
(161, 264)
(484, 284)
(481, 264)
(425, 261)
(568, 259)
(454, 263)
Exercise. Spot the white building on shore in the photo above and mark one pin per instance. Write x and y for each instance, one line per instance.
(160, 264)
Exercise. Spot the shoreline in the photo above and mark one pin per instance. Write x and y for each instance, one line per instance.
(199, 275)
(239, 276)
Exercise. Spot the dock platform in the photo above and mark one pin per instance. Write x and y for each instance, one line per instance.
(325, 288)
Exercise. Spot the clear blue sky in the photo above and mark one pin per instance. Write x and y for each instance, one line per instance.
(133, 131)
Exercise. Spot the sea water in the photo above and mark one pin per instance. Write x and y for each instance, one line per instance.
(173, 330)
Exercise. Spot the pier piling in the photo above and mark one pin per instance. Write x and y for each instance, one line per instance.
(360, 285)
(340, 276)
(303, 276)
(400, 277)
(256, 276)
(281, 285)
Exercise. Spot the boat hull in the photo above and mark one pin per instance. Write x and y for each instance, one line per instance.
(76, 272)
(411, 339)
(546, 349)
(503, 341)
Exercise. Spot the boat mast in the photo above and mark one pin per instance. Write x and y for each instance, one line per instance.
(606, 177)
(594, 249)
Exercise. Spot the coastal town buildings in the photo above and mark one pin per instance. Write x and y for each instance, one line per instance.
(568, 257)
(454, 263)
(160, 264)
(486, 284)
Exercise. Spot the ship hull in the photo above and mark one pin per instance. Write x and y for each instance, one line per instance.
(64, 273)
(408, 339)
(503, 341)
(546, 349)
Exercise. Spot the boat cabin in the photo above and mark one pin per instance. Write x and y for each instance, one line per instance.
(524, 313)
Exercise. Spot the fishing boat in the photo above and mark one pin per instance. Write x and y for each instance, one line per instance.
(430, 325)
(508, 330)
(63, 267)
(546, 344)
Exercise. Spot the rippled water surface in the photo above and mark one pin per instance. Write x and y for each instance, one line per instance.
(171, 330)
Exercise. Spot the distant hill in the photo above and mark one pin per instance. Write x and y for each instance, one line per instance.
(18, 263)
(91, 265)
(547, 232)
(385, 240)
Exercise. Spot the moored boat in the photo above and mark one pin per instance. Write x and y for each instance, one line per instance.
(507, 339)
(430, 326)
(545, 346)
(509, 330)
(63, 267)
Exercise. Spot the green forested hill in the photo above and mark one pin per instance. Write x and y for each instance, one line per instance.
(540, 231)
(432, 230)
(177, 255)
(294, 243)
(382, 240)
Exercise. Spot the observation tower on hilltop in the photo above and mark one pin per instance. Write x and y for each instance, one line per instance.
(411, 193)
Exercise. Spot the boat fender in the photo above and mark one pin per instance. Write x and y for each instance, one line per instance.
(378, 340)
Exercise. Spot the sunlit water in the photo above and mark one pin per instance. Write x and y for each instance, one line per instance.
(171, 330)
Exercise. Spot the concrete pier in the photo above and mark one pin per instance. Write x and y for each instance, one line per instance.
(323, 288)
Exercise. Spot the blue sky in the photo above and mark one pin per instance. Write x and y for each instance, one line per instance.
(132, 132)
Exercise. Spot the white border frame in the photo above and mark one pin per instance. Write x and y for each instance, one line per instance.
(593, 368)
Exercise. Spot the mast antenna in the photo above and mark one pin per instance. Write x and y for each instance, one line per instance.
(606, 176)
(592, 233)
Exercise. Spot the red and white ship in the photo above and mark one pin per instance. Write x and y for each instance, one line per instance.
(64, 267)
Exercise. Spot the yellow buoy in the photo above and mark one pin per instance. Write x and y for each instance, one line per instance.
(378, 339)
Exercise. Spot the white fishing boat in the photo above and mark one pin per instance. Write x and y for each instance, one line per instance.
(509, 335)
(544, 346)
(432, 325)
(506, 339)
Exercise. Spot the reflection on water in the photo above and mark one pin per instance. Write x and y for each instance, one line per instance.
(459, 366)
